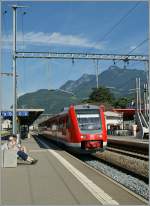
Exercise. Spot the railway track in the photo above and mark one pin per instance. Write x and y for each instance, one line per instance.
(135, 183)
(139, 147)
(132, 162)
(129, 153)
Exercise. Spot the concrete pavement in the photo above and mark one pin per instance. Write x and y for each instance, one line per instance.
(50, 182)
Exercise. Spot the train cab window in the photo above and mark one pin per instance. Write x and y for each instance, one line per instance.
(68, 123)
(89, 120)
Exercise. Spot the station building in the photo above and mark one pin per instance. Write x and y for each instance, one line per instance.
(114, 121)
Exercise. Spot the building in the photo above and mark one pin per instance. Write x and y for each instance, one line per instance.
(114, 121)
(6, 124)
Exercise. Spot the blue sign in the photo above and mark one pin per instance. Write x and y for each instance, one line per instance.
(7, 114)
(23, 114)
(10, 114)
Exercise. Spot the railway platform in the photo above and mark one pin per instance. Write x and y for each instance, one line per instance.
(128, 138)
(58, 178)
(130, 143)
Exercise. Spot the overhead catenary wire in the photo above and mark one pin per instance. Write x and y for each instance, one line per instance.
(120, 21)
(139, 45)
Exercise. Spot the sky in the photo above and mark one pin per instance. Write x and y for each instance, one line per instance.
(69, 27)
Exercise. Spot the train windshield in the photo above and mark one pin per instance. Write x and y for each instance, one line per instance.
(89, 120)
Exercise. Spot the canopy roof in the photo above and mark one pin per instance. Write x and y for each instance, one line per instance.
(24, 116)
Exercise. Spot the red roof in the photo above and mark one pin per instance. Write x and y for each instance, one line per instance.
(126, 112)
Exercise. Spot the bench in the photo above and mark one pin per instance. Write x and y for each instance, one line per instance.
(9, 158)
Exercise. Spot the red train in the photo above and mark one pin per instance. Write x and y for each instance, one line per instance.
(81, 128)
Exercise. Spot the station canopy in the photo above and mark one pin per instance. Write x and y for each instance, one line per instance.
(128, 114)
(24, 116)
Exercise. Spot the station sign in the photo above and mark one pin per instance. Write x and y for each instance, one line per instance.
(19, 113)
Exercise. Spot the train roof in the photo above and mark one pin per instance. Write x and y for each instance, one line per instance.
(81, 106)
(77, 107)
(86, 106)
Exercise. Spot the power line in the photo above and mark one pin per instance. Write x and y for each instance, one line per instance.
(140, 44)
(120, 21)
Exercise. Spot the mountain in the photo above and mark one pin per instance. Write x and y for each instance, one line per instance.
(52, 101)
(120, 81)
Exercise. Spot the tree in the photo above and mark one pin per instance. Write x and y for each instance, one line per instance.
(101, 95)
(122, 102)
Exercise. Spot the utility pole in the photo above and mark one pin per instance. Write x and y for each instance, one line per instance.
(97, 73)
(147, 70)
(147, 99)
(147, 85)
(137, 95)
(14, 7)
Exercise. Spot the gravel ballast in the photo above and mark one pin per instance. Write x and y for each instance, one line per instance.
(130, 182)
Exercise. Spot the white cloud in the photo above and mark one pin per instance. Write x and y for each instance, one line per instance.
(41, 38)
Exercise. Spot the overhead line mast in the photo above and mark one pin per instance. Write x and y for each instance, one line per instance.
(14, 7)
(59, 55)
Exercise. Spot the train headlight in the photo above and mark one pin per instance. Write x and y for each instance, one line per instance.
(83, 136)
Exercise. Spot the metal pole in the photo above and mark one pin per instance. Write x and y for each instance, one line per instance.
(139, 94)
(147, 86)
(97, 74)
(145, 101)
(147, 70)
(14, 69)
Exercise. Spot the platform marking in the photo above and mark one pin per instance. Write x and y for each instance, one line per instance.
(96, 191)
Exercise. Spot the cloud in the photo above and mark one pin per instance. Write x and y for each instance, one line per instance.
(41, 38)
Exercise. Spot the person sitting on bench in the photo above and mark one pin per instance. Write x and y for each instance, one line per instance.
(21, 150)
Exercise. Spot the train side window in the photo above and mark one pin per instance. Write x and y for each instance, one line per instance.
(68, 123)
(60, 125)
(54, 127)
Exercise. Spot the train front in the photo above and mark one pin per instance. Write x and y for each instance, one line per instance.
(89, 123)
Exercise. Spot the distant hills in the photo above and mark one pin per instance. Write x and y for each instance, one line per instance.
(50, 100)
(120, 81)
